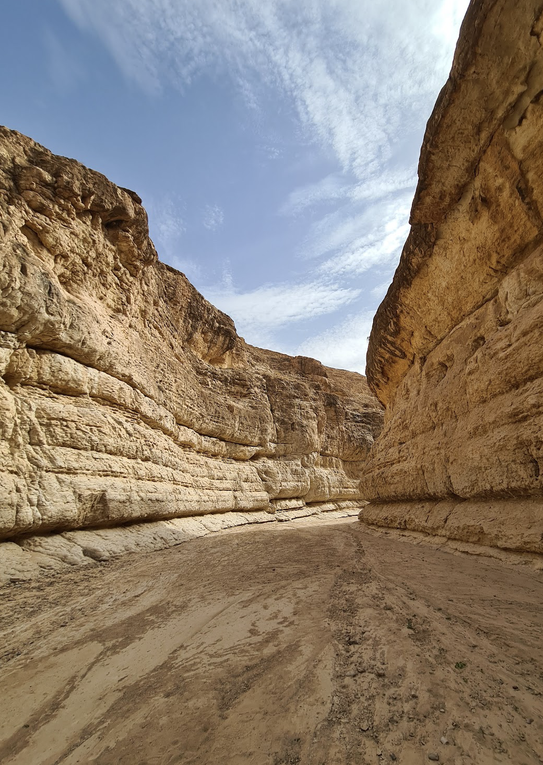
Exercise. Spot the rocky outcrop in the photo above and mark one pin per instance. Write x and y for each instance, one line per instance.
(124, 395)
(456, 349)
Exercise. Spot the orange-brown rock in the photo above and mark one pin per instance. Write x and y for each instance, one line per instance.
(456, 349)
(124, 395)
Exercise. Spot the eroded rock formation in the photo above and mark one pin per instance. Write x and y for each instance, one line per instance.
(124, 395)
(456, 350)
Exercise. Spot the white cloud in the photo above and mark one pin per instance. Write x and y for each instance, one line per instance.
(272, 152)
(353, 70)
(379, 291)
(355, 238)
(358, 77)
(385, 184)
(168, 225)
(366, 231)
(447, 20)
(332, 187)
(260, 312)
(368, 251)
(168, 220)
(186, 265)
(213, 217)
(344, 345)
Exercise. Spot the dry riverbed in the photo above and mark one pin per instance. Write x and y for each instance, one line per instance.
(315, 642)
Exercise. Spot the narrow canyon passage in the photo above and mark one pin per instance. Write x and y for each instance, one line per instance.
(315, 642)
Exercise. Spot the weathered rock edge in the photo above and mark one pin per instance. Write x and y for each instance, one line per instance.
(124, 395)
(455, 351)
(31, 557)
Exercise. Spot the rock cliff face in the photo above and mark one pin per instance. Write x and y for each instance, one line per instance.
(456, 350)
(124, 395)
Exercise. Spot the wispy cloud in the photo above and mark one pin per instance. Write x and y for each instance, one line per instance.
(344, 345)
(262, 311)
(385, 183)
(272, 152)
(331, 187)
(357, 79)
(365, 231)
(354, 70)
(357, 243)
(380, 290)
(168, 219)
(213, 217)
(168, 226)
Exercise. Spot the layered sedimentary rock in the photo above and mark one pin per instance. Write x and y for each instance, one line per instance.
(456, 350)
(124, 395)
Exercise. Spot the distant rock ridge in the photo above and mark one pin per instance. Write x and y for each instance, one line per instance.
(456, 349)
(124, 395)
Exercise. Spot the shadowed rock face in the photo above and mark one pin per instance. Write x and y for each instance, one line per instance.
(456, 350)
(124, 395)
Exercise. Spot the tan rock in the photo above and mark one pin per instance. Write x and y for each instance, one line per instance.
(30, 557)
(455, 351)
(124, 395)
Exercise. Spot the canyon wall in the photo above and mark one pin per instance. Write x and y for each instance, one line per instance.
(456, 350)
(124, 395)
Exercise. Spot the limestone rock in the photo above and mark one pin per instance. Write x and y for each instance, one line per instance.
(124, 395)
(30, 557)
(455, 352)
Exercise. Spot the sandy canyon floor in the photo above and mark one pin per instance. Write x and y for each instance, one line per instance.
(312, 642)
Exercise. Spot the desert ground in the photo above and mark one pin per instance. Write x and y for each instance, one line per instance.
(317, 642)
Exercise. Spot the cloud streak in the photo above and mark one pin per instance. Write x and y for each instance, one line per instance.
(357, 79)
(354, 71)
(343, 345)
(358, 241)
(213, 217)
(262, 311)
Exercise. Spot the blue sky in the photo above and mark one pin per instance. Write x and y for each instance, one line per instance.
(274, 142)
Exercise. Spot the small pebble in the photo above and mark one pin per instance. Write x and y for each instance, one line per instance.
(442, 710)
(393, 756)
(365, 727)
(515, 687)
(433, 756)
(444, 740)
(529, 720)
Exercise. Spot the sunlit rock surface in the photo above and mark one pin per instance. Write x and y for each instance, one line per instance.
(124, 395)
(456, 350)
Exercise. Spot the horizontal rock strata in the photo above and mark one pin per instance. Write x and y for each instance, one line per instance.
(30, 557)
(456, 349)
(124, 395)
